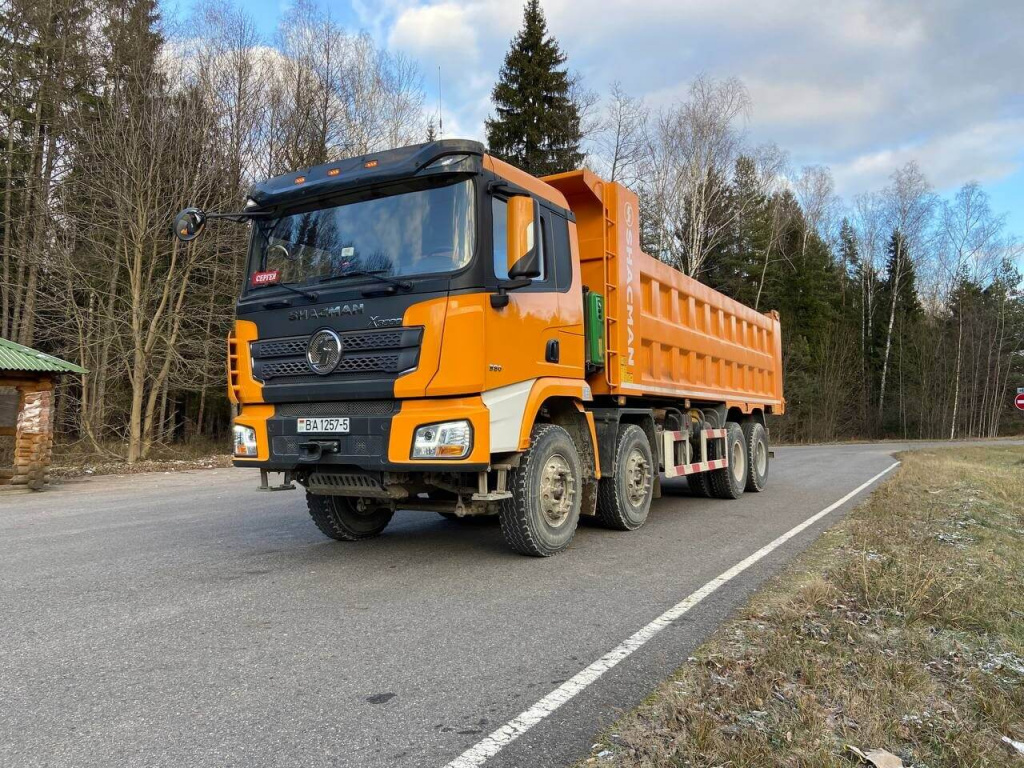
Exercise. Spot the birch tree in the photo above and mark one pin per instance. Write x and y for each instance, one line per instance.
(909, 206)
(622, 136)
(969, 232)
(693, 150)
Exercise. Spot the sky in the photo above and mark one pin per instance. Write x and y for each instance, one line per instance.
(861, 86)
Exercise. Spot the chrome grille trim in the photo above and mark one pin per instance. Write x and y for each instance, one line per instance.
(376, 352)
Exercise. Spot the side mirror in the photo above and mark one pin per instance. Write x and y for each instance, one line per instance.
(189, 224)
(523, 233)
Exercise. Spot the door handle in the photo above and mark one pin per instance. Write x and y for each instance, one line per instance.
(551, 351)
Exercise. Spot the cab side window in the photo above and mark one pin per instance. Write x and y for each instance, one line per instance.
(499, 216)
(561, 254)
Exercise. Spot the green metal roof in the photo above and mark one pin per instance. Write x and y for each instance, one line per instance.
(14, 357)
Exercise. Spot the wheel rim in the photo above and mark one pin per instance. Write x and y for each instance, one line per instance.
(557, 490)
(738, 461)
(638, 477)
(363, 507)
(761, 458)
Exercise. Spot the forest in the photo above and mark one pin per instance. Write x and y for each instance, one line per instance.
(902, 309)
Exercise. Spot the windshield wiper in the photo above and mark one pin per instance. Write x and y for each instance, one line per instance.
(378, 274)
(311, 295)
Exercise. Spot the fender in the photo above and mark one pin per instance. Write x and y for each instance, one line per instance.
(544, 388)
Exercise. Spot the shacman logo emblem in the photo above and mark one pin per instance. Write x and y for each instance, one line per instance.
(324, 351)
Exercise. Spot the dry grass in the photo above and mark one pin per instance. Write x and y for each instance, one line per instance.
(902, 628)
(78, 459)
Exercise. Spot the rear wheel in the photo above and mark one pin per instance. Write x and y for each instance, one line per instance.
(700, 482)
(755, 438)
(729, 482)
(540, 518)
(348, 519)
(624, 499)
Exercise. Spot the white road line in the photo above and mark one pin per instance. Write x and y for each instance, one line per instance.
(479, 753)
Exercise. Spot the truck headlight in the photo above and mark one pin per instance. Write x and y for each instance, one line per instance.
(447, 440)
(245, 441)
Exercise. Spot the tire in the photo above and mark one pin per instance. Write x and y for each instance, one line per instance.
(700, 483)
(729, 482)
(340, 517)
(755, 438)
(541, 517)
(624, 499)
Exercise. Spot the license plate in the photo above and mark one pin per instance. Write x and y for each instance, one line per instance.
(327, 424)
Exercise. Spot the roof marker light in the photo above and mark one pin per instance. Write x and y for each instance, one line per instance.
(334, 171)
(370, 164)
(299, 179)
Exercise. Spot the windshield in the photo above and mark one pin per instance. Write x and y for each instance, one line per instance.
(428, 231)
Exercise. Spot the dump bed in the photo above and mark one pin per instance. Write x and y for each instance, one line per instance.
(666, 333)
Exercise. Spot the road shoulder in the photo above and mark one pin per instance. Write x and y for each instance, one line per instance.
(899, 629)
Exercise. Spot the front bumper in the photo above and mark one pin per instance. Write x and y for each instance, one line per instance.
(380, 435)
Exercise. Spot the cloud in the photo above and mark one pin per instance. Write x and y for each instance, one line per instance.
(861, 86)
(984, 152)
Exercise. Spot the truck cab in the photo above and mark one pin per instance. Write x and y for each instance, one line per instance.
(419, 329)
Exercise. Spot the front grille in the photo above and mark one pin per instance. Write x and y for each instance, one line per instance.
(351, 408)
(376, 340)
(348, 364)
(284, 368)
(281, 347)
(364, 353)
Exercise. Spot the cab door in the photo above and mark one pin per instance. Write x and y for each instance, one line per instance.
(540, 331)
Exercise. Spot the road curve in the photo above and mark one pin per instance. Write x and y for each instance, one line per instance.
(186, 619)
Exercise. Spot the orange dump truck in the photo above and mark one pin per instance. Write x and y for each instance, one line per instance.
(429, 328)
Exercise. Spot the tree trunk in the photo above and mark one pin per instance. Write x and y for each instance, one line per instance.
(892, 321)
(956, 376)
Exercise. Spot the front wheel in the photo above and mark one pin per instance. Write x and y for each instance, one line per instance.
(540, 518)
(348, 519)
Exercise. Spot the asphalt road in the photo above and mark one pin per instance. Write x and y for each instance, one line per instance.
(189, 620)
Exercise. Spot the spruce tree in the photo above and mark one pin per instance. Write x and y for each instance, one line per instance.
(537, 125)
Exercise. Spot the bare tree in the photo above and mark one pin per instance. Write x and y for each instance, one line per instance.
(622, 136)
(968, 233)
(869, 224)
(816, 191)
(587, 103)
(336, 94)
(690, 157)
(910, 203)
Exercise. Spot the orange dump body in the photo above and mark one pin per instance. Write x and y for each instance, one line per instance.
(667, 335)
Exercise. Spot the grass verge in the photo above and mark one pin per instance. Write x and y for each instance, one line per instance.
(901, 628)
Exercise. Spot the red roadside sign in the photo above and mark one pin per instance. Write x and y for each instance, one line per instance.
(1019, 401)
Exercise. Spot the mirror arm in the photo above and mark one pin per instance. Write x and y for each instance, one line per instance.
(500, 299)
(241, 216)
(506, 188)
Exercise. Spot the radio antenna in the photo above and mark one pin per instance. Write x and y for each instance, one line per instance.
(440, 117)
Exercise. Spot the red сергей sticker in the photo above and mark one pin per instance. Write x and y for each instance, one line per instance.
(269, 277)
